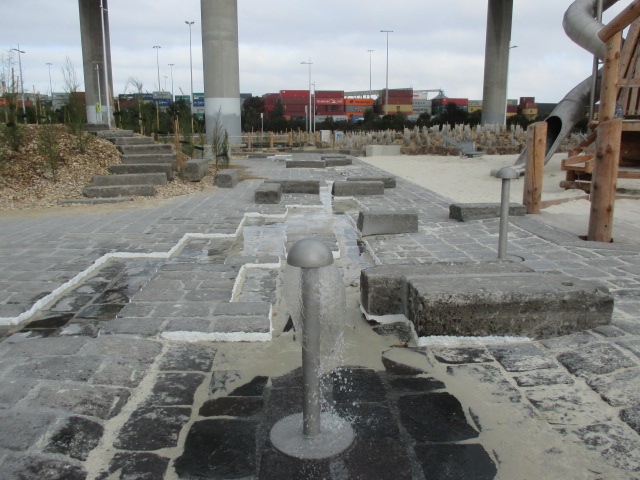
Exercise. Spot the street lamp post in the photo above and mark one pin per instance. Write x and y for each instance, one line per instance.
(386, 102)
(190, 24)
(24, 110)
(309, 112)
(158, 47)
(171, 65)
(370, 52)
(50, 85)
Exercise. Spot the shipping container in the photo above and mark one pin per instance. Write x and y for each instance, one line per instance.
(329, 101)
(359, 101)
(336, 118)
(295, 101)
(398, 92)
(329, 94)
(294, 93)
(512, 109)
(393, 108)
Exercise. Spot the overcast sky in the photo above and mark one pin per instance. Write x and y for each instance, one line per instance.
(434, 44)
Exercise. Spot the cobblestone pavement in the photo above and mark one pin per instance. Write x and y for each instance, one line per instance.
(100, 382)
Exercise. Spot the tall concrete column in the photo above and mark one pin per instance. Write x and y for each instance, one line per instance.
(221, 67)
(92, 55)
(496, 61)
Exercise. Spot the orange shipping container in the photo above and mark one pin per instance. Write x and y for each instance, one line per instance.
(369, 102)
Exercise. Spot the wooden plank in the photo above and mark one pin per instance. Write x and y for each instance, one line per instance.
(605, 175)
(621, 21)
(629, 51)
(609, 90)
(629, 173)
(631, 126)
(534, 166)
(577, 160)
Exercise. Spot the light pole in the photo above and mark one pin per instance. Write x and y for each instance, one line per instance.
(309, 112)
(158, 47)
(105, 68)
(171, 65)
(24, 110)
(190, 24)
(386, 102)
(370, 52)
(50, 85)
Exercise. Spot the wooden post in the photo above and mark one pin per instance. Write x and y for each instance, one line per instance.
(534, 166)
(603, 183)
(270, 139)
(605, 171)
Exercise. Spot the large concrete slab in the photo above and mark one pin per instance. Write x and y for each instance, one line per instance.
(151, 158)
(227, 178)
(268, 193)
(133, 140)
(305, 164)
(465, 212)
(389, 182)
(343, 188)
(195, 169)
(145, 148)
(382, 222)
(298, 186)
(130, 179)
(120, 191)
(379, 150)
(124, 168)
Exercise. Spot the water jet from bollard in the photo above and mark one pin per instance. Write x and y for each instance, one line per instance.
(506, 174)
(315, 295)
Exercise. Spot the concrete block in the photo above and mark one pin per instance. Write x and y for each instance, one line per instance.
(383, 288)
(134, 141)
(112, 134)
(130, 179)
(380, 150)
(145, 148)
(195, 170)
(343, 188)
(124, 168)
(381, 222)
(336, 161)
(534, 305)
(298, 186)
(268, 193)
(169, 158)
(305, 164)
(226, 178)
(465, 212)
(389, 182)
(120, 191)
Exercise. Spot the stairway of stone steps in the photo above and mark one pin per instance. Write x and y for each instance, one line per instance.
(145, 164)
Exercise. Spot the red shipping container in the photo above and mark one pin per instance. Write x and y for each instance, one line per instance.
(399, 92)
(329, 101)
(399, 100)
(330, 94)
(295, 101)
(512, 109)
(294, 93)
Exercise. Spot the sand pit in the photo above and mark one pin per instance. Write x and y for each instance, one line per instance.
(468, 180)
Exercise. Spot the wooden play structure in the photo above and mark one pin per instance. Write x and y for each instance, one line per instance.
(616, 135)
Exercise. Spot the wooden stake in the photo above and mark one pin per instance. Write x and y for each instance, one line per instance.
(603, 183)
(534, 166)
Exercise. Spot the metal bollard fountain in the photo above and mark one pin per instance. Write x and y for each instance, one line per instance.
(311, 434)
(506, 174)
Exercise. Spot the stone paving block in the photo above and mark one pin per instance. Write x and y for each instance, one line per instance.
(59, 368)
(522, 357)
(353, 385)
(452, 462)
(146, 327)
(232, 406)
(343, 188)
(121, 372)
(460, 355)
(275, 465)
(226, 178)
(389, 182)
(268, 193)
(416, 384)
(466, 212)
(595, 359)
(253, 324)
(616, 446)
(152, 428)
(15, 389)
(543, 377)
(435, 417)
(138, 466)
(173, 389)
(298, 186)
(194, 170)
(23, 429)
(76, 438)
(219, 448)
(96, 401)
(41, 468)
(385, 222)
(188, 357)
(631, 416)
(620, 389)
(566, 405)
(378, 150)
(124, 346)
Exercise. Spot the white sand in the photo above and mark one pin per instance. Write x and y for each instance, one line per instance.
(468, 180)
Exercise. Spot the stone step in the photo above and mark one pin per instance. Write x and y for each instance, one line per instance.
(387, 221)
(134, 141)
(123, 168)
(486, 298)
(130, 179)
(120, 191)
(109, 134)
(169, 158)
(145, 149)
(343, 188)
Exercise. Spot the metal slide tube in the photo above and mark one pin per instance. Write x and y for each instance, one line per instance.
(582, 27)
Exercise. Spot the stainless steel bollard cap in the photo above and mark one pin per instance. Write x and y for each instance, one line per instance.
(309, 253)
(507, 173)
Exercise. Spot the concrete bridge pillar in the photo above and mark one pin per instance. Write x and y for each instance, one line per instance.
(93, 54)
(221, 67)
(496, 61)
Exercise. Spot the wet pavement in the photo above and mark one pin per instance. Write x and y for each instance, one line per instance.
(154, 343)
